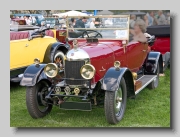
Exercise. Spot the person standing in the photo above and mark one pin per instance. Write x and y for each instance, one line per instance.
(30, 20)
(168, 18)
(73, 22)
(151, 20)
(161, 19)
(25, 18)
(145, 18)
(33, 20)
(56, 26)
(80, 23)
(92, 24)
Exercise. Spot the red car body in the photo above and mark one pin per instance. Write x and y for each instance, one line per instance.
(161, 44)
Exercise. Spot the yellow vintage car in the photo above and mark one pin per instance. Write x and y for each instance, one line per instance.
(30, 46)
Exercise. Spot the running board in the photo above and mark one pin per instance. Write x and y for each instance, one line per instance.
(16, 79)
(145, 80)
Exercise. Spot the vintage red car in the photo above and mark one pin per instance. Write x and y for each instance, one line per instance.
(162, 34)
(101, 68)
(162, 42)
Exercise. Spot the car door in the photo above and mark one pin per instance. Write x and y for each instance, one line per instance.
(135, 55)
(33, 50)
(19, 53)
(37, 47)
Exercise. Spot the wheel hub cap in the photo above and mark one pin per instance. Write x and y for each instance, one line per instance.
(118, 100)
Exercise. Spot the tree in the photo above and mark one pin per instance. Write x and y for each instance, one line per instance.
(32, 11)
(47, 12)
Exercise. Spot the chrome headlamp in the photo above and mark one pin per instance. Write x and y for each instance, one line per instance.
(87, 71)
(51, 70)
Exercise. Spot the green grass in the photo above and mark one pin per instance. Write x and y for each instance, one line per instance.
(151, 108)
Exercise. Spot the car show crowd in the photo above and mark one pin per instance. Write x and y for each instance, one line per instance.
(150, 18)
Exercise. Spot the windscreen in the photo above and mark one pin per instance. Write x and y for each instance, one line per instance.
(101, 27)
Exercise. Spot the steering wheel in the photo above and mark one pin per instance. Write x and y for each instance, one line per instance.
(85, 33)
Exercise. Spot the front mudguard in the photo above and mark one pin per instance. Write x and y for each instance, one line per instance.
(152, 61)
(33, 74)
(112, 79)
(51, 50)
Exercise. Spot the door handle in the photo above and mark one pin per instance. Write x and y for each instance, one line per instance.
(124, 47)
(102, 69)
(27, 45)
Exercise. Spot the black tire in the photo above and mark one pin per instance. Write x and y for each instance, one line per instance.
(113, 116)
(154, 84)
(35, 100)
(167, 60)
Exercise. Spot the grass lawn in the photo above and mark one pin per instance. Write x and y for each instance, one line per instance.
(151, 108)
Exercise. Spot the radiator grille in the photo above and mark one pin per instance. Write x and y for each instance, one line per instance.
(72, 70)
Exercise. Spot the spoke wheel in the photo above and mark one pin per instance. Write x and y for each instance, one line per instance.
(115, 103)
(35, 100)
(59, 57)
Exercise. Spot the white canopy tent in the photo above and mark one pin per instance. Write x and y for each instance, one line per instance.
(71, 13)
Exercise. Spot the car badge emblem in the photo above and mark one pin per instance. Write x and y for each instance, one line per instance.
(72, 54)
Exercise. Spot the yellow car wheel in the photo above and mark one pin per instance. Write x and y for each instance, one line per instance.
(59, 58)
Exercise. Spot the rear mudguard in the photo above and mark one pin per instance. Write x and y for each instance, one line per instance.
(33, 74)
(112, 78)
(51, 50)
(152, 61)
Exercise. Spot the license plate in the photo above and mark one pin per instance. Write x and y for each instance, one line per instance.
(84, 106)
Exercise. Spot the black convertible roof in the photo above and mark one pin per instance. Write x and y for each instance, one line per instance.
(159, 30)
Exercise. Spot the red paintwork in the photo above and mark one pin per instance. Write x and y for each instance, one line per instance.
(61, 35)
(105, 52)
(161, 44)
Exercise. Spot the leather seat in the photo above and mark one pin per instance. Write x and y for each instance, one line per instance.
(49, 33)
(25, 34)
(19, 35)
